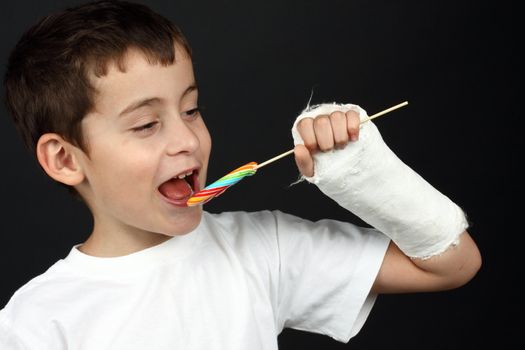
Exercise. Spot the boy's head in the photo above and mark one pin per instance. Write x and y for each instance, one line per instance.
(48, 79)
(105, 95)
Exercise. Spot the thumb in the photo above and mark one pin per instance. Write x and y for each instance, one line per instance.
(304, 160)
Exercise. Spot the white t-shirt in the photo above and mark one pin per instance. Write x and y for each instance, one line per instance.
(233, 284)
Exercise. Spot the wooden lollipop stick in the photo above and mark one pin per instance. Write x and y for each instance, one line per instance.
(282, 155)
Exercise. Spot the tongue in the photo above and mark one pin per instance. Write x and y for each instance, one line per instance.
(175, 189)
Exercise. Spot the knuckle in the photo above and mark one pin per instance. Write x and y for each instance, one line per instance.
(304, 123)
(353, 122)
(322, 121)
(352, 115)
(337, 115)
(310, 144)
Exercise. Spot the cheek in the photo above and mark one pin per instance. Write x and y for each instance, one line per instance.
(127, 173)
(205, 144)
(206, 141)
(204, 137)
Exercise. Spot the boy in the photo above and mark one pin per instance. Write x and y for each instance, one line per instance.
(105, 95)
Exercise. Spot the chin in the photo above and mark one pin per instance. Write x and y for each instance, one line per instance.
(187, 222)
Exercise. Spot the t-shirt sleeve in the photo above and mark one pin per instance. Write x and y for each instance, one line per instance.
(24, 321)
(8, 339)
(326, 271)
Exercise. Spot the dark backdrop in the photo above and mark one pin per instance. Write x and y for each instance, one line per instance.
(256, 64)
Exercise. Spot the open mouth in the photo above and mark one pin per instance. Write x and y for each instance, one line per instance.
(181, 187)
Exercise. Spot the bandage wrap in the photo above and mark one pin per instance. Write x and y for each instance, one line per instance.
(370, 181)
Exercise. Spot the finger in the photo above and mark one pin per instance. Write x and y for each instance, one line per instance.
(304, 160)
(305, 127)
(352, 123)
(339, 129)
(323, 133)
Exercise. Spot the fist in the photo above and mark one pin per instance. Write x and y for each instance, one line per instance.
(324, 133)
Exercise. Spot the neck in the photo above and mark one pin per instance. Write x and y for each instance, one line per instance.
(117, 243)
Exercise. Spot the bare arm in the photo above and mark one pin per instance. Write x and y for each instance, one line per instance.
(452, 269)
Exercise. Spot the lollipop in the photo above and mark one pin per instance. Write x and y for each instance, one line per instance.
(216, 188)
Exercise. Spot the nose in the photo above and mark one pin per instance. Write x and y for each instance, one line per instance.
(180, 137)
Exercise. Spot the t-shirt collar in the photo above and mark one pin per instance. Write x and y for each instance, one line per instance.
(175, 248)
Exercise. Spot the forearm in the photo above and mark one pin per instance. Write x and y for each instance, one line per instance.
(451, 269)
(455, 266)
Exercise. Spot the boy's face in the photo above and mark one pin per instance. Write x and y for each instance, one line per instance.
(145, 132)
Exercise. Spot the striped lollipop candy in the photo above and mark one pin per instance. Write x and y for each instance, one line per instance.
(216, 188)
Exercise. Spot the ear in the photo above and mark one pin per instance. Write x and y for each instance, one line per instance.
(59, 160)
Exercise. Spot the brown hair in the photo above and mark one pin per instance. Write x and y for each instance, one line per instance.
(47, 79)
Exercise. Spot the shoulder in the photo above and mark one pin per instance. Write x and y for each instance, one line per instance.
(241, 224)
(264, 220)
(28, 320)
(240, 228)
(265, 225)
(35, 300)
(253, 235)
(239, 220)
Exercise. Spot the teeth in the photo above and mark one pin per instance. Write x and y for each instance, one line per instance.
(182, 176)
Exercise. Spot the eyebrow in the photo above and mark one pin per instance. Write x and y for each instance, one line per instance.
(147, 101)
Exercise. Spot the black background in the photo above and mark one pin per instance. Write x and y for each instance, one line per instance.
(256, 64)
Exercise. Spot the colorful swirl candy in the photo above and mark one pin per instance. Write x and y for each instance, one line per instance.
(218, 187)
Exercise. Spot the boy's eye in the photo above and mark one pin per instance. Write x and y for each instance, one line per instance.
(145, 127)
(192, 113)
